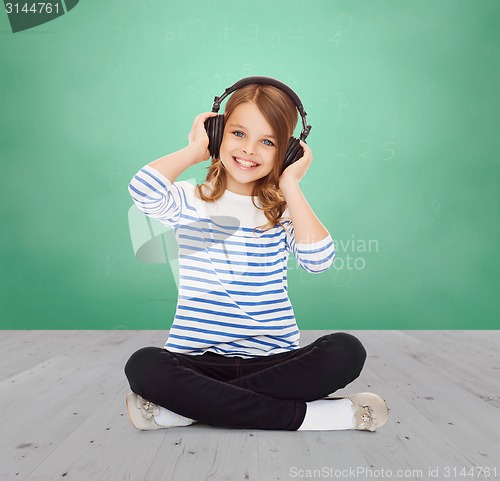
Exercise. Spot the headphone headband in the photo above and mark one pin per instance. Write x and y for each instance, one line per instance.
(306, 128)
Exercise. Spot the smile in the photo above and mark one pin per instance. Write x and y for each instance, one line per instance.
(245, 164)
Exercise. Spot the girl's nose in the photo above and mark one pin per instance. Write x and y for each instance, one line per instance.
(248, 150)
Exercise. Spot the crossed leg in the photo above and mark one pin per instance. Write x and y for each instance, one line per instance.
(257, 393)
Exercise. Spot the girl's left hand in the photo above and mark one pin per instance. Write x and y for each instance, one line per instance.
(297, 170)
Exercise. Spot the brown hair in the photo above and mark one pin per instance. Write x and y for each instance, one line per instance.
(280, 112)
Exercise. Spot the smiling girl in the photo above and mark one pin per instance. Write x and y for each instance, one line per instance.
(232, 357)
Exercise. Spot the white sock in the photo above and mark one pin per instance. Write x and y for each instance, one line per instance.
(169, 419)
(328, 415)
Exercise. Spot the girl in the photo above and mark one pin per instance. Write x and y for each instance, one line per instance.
(232, 357)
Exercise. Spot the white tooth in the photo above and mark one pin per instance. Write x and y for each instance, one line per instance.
(244, 163)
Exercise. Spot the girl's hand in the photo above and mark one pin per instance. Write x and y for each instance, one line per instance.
(198, 137)
(295, 172)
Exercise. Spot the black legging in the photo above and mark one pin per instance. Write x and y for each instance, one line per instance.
(266, 392)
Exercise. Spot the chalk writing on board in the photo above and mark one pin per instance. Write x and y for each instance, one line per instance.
(126, 142)
(388, 153)
(194, 81)
(111, 260)
(437, 206)
(112, 177)
(341, 277)
(342, 24)
(342, 103)
(365, 151)
(251, 32)
(276, 40)
(237, 71)
(225, 30)
(364, 148)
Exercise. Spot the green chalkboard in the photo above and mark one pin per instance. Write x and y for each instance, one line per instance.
(403, 97)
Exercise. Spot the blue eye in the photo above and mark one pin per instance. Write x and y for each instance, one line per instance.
(270, 143)
(237, 132)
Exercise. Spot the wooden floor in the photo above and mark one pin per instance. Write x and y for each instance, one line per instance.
(63, 417)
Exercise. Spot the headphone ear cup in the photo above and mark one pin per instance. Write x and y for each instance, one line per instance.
(218, 134)
(210, 128)
(215, 129)
(293, 153)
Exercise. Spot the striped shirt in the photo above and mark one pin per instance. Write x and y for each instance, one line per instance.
(233, 294)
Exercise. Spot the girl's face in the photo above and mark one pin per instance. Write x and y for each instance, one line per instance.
(250, 139)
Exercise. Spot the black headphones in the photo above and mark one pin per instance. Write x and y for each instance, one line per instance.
(215, 125)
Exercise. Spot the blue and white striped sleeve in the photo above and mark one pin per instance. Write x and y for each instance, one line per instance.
(314, 257)
(156, 196)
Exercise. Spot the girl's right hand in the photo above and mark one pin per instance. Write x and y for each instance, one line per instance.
(198, 137)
